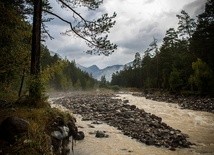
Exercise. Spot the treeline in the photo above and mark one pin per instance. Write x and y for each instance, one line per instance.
(15, 49)
(61, 74)
(183, 63)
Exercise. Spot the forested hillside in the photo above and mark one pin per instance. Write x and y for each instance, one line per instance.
(61, 74)
(183, 63)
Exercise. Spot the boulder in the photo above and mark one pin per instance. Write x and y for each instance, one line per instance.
(79, 136)
(101, 134)
(61, 134)
(12, 128)
(126, 101)
(72, 128)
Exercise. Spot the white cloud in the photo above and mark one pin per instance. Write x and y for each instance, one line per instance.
(137, 22)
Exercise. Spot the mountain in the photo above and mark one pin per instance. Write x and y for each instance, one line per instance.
(108, 71)
(97, 73)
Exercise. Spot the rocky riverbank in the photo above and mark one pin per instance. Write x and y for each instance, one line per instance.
(136, 123)
(191, 102)
(42, 130)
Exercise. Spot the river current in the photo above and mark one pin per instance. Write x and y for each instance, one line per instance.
(199, 126)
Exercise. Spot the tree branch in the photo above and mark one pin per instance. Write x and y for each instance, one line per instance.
(45, 31)
(73, 11)
(85, 21)
(70, 24)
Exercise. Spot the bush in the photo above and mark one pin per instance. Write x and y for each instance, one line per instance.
(115, 88)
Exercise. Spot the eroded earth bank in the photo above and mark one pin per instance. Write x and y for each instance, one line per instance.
(127, 124)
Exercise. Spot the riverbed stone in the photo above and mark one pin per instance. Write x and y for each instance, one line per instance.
(79, 136)
(101, 134)
(126, 101)
(132, 121)
(189, 102)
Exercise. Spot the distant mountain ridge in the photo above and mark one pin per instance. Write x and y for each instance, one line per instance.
(97, 73)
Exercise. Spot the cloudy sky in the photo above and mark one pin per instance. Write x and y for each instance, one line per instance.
(137, 22)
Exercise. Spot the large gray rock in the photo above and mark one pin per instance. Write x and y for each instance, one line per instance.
(61, 134)
(61, 131)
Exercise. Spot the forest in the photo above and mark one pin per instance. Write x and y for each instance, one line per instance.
(184, 63)
(57, 73)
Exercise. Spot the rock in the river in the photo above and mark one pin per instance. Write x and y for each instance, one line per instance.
(96, 122)
(132, 107)
(79, 136)
(126, 101)
(91, 126)
(101, 134)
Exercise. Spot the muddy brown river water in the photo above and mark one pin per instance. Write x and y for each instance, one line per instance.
(198, 125)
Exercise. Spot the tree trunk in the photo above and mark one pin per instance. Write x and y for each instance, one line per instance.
(22, 82)
(35, 86)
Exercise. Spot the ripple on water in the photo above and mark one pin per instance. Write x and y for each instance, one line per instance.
(198, 125)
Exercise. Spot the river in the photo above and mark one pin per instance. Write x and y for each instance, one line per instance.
(198, 125)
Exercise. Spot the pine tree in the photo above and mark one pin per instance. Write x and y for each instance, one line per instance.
(90, 31)
(186, 25)
(202, 43)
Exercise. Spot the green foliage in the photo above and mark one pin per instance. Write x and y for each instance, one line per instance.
(115, 88)
(15, 43)
(170, 39)
(202, 43)
(129, 77)
(35, 84)
(137, 60)
(202, 76)
(103, 82)
(63, 75)
(147, 69)
(175, 80)
(93, 31)
(175, 65)
(15, 34)
(186, 25)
